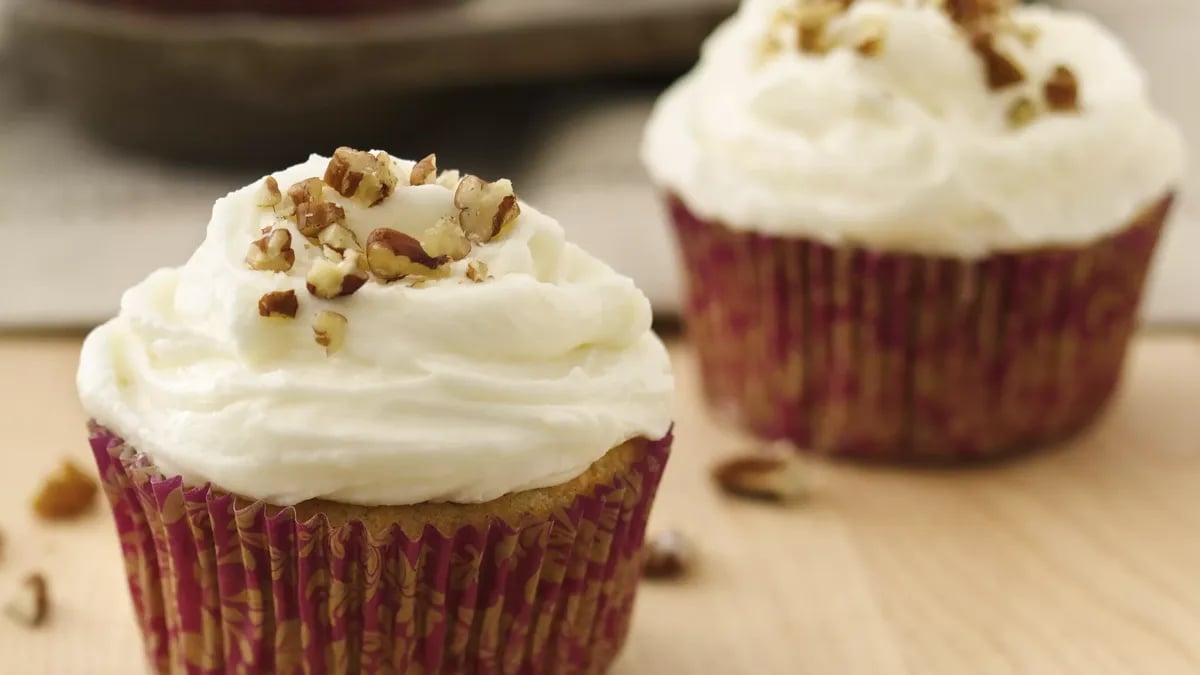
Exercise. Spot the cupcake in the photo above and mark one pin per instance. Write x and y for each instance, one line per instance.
(385, 419)
(912, 230)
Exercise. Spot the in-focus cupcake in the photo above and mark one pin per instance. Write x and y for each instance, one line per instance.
(385, 419)
(912, 229)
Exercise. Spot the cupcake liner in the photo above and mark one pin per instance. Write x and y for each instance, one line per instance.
(224, 585)
(854, 352)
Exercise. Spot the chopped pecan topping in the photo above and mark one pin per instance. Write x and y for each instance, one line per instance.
(66, 493)
(329, 331)
(1029, 35)
(272, 253)
(1022, 112)
(973, 13)
(269, 194)
(1062, 90)
(312, 217)
(446, 238)
(279, 305)
(338, 238)
(771, 478)
(963, 11)
(1001, 71)
(810, 35)
(367, 179)
(477, 271)
(669, 555)
(870, 40)
(306, 191)
(393, 255)
(811, 24)
(337, 274)
(424, 171)
(485, 208)
(30, 605)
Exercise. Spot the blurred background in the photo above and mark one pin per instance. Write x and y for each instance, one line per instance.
(122, 120)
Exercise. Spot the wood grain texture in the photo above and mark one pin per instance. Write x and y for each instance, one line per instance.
(1083, 559)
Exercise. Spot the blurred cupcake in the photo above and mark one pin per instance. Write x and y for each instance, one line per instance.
(912, 230)
(384, 420)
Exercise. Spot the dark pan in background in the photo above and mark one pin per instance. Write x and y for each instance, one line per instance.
(213, 87)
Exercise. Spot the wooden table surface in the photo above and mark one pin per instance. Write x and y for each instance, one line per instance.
(1084, 559)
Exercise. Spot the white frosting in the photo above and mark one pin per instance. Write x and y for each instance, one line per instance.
(909, 149)
(455, 391)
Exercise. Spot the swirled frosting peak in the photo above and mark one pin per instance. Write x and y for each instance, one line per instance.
(371, 331)
(936, 126)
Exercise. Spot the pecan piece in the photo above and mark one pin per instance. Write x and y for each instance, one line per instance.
(870, 39)
(312, 217)
(355, 174)
(485, 209)
(973, 13)
(477, 271)
(272, 253)
(393, 255)
(337, 274)
(30, 605)
(309, 190)
(810, 35)
(770, 478)
(424, 172)
(329, 331)
(812, 23)
(338, 238)
(278, 305)
(269, 194)
(446, 238)
(66, 493)
(1029, 35)
(669, 555)
(1062, 90)
(1000, 70)
(1022, 112)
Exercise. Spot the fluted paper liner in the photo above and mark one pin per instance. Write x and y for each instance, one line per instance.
(225, 585)
(854, 352)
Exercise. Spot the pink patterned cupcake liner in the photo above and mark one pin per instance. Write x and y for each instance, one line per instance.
(224, 585)
(854, 352)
